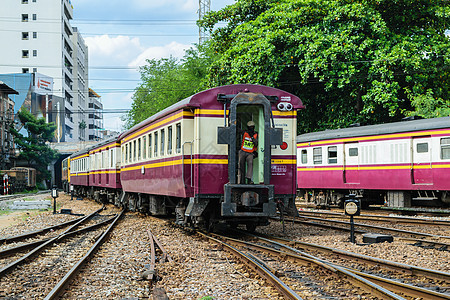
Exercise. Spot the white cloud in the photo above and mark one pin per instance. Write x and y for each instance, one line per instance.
(173, 49)
(104, 49)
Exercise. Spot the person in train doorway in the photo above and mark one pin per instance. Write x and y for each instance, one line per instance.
(248, 152)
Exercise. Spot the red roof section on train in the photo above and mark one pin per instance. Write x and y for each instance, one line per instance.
(208, 100)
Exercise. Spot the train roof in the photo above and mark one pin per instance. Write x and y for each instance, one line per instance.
(99, 144)
(359, 131)
(208, 99)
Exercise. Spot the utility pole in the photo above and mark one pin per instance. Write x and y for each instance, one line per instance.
(204, 7)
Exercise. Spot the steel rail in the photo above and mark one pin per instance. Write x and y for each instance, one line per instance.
(37, 232)
(59, 288)
(380, 218)
(426, 242)
(393, 285)
(414, 233)
(410, 269)
(286, 291)
(320, 225)
(36, 250)
(307, 259)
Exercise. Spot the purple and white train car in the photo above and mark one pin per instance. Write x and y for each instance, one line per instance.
(95, 171)
(104, 170)
(393, 163)
(184, 158)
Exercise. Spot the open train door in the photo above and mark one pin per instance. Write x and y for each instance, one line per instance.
(422, 172)
(243, 200)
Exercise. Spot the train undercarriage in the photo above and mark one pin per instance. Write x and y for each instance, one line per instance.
(200, 212)
(327, 198)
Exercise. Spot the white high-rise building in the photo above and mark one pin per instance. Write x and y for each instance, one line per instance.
(80, 86)
(36, 37)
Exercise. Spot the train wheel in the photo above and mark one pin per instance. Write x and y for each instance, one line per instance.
(250, 227)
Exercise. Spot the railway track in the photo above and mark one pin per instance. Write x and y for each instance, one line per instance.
(309, 221)
(46, 270)
(379, 218)
(376, 285)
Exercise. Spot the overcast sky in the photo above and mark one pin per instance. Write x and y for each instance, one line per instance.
(121, 35)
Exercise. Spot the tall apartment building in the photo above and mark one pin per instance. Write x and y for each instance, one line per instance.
(38, 38)
(80, 86)
(95, 121)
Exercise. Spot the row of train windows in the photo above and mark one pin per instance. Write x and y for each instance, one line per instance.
(153, 145)
(332, 152)
(104, 159)
(79, 165)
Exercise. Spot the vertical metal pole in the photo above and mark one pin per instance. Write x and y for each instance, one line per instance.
(352, 230)
(54, 205)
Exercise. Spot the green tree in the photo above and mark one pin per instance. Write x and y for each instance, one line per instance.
(168, 80)
(349, 61)
(33, 147)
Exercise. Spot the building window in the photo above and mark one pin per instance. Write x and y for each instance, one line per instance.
(332, 155)
(25, 35)
(24, 17)
(422, 147)
(445, 148)
(34, 70)
(25, 70)
(304, 156)
(34, 53)
(25, 53)
(34, 17)
(169, 140)
(24, 1)
(178, 137)
(34, 35)
(317, 156)
(34, 0)
(353, 151)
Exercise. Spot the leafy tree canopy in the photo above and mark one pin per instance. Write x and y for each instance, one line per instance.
(168, 80)
(33, 148)
(368, 61)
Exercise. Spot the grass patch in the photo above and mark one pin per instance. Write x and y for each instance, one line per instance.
(5, 212)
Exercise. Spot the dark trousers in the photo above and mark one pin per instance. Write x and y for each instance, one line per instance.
(245, 157)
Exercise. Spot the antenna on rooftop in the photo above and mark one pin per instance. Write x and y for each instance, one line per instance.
(204, 7)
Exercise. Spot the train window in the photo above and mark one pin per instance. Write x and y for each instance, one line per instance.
(149, 145)
(156, 145)
(353, 152)
(123, 153)
(134, 150)
(139, 148)
(445, 148)
(422, 147)
(304, 156)
(162, 141)
(178, 137)
(317, 155)
(126, 153)
(144, 147)
(169, 140)
(112, 158)
(332, 155)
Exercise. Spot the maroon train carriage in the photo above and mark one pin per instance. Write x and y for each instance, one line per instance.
(184, 158)
(398, 164)
(95, 171)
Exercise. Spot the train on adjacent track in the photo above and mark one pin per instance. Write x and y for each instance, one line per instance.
(184, 160)
(395, 164)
